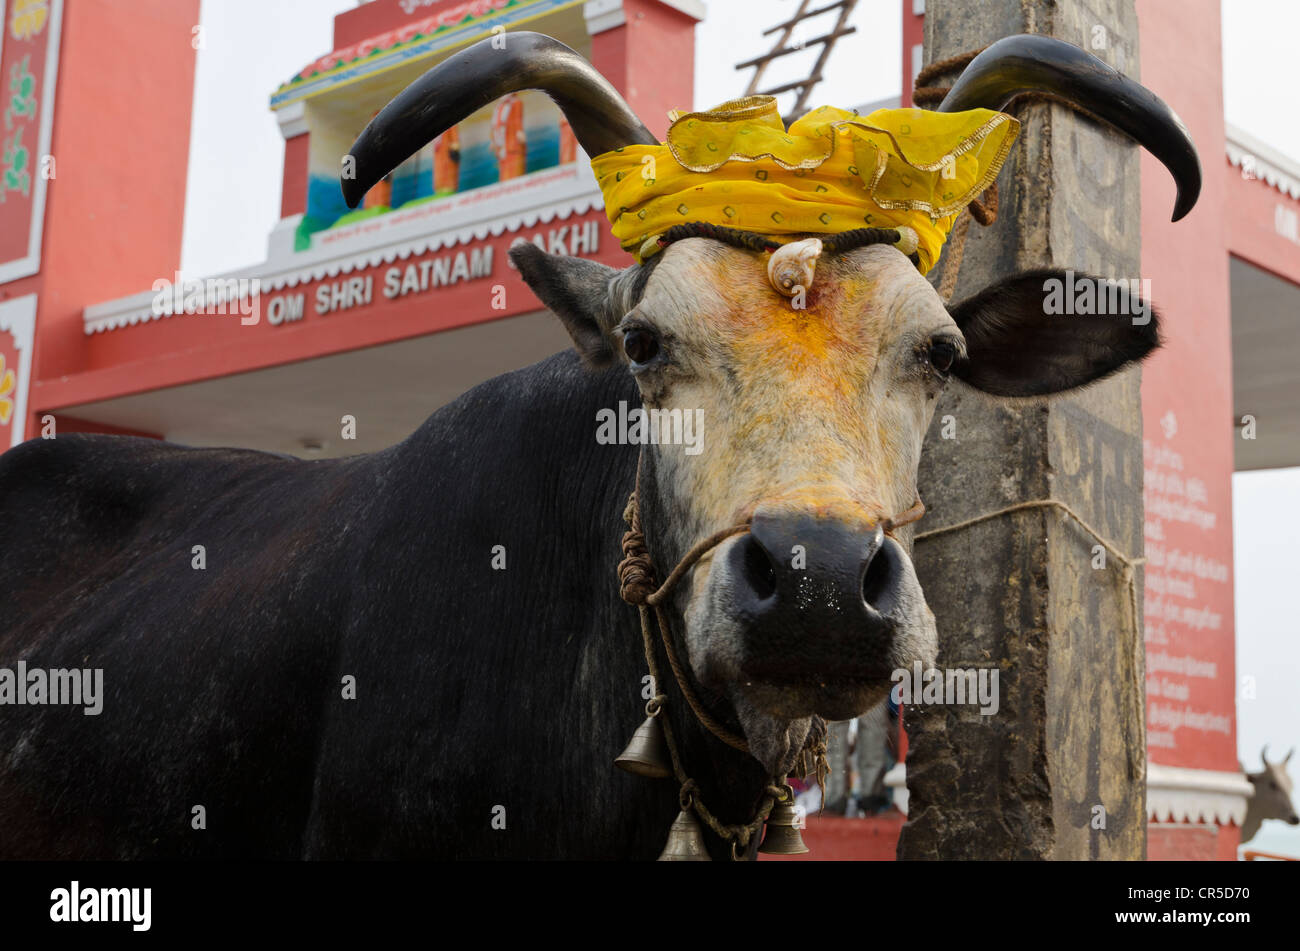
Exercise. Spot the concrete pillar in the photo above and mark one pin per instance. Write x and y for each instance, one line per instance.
(1065, 753)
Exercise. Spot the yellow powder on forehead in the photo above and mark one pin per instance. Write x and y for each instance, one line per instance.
(833, 339)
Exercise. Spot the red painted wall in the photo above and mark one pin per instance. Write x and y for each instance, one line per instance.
(913, 34)
(661, 62)
(114, 212)
(650, 59)
(1189, 842)
(1187, 405)
(293, 193)
(1252, 210)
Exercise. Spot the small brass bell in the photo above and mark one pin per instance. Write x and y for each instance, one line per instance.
(685, 843)
(781, 835)
(646, 753)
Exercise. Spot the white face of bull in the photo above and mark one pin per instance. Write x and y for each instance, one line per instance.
(813, 419)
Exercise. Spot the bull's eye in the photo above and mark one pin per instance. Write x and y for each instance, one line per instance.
(942, 355)
(640, 345)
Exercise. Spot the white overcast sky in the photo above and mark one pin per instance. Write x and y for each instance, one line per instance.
(233, 199)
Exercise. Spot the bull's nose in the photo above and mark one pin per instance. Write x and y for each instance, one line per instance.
(815, 596)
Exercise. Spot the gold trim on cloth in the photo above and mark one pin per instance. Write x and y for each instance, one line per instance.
(831, 171)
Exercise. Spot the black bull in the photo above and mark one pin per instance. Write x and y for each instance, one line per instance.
(475, 688)
(347, 674)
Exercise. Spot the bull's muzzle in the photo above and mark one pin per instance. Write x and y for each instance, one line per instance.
(817, 599)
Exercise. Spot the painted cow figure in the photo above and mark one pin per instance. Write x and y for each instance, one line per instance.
(348, 674)
(1272, 798)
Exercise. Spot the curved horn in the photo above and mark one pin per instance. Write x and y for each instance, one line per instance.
(1031, 63)
(462, 84)
(1263, 754)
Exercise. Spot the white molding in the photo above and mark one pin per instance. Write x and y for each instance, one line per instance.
(371, 249)
(18, 317)
(279, 243)
(692, 8)
(1174, 794)
(26, 266)
(292, 119)
(1178, 794)
(602, 15)
(1271, 166)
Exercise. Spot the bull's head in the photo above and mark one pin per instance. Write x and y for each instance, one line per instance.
(1272, 798)
(814, 416)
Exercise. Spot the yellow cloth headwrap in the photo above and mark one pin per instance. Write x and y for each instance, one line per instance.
(833, 171)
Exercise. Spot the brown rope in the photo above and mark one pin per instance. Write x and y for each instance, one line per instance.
(938, 68)
(689, 559)
(1129, 576)
(985, 208)
(683, 681)
(738, 835)
(913, 513)
(956, 249)
(636, 586)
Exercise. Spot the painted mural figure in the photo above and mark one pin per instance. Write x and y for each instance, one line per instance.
(446, 162)
(381, 196)
(568, 143)
(508, 140)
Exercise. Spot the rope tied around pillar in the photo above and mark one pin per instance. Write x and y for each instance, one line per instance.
(1128, 576)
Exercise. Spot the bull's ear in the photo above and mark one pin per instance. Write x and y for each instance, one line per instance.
(578, 291)
(1047, 331)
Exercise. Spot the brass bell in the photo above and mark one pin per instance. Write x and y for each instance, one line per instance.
(781, 835)
(685, 843)
(646, 753)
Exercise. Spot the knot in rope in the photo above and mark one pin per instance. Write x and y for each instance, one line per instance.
(636, 573)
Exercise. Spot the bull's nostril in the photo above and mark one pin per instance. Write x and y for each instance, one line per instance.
(878, 576)
(758, 568)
